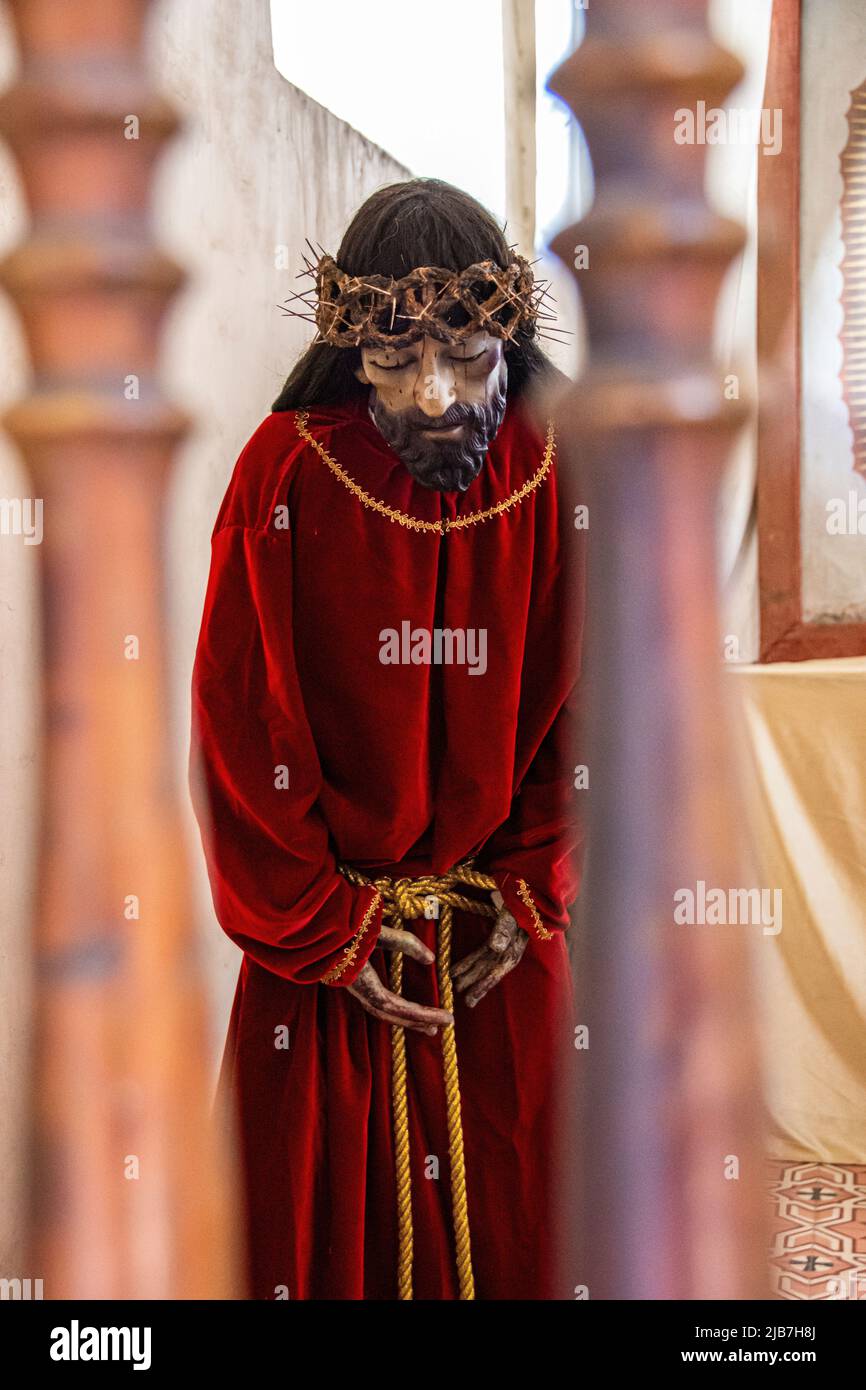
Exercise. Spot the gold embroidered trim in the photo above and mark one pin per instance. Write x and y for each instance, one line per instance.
(524, 893)
(414, 523)
(354, 945)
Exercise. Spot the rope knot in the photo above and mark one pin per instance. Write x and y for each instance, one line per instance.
(409, 898)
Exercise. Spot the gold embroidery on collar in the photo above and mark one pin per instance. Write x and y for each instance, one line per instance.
(414, 523)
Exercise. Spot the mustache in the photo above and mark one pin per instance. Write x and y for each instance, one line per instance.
(458, 414)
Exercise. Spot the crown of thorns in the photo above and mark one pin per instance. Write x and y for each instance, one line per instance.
(380, 311)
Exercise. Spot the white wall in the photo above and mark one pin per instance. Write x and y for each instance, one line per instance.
(424, 81)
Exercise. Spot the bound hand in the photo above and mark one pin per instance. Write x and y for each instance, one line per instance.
(482, 969)
(383, 1004)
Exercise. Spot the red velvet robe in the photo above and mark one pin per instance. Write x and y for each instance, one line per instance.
(401, 770)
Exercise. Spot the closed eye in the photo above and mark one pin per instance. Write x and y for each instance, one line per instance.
(399, 366)
(470, 359)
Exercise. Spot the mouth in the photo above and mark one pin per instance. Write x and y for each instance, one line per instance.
(443, 431)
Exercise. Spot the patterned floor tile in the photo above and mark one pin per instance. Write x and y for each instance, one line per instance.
(818, 1221)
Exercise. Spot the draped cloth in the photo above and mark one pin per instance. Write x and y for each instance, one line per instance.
(805, 747)
(311, 751)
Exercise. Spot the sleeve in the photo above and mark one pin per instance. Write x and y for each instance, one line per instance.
(536, 855)
(255, 777)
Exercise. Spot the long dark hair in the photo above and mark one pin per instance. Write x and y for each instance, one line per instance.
(401, 226)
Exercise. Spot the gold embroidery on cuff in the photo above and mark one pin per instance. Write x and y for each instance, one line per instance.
(526, 896)
(352, 949)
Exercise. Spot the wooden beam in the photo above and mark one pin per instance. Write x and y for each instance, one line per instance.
(519, 67)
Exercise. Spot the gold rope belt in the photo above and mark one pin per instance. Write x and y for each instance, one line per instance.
(403, 900)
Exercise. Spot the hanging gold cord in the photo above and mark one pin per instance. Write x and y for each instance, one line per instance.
(405, 899)
(459, 1203)
(400, 1110)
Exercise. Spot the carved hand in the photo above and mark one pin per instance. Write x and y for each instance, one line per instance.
(383, 1004)
(482, 969)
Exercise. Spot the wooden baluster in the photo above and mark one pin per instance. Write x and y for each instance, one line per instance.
(671, 1104)
(121, 1082)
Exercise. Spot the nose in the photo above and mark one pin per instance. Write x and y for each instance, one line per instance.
(435, 388)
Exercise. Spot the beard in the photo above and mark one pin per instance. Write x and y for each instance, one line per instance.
(452, 464)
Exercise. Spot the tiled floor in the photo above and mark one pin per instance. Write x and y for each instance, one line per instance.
(819, 1230)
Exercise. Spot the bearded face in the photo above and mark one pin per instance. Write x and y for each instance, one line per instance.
(438, 405)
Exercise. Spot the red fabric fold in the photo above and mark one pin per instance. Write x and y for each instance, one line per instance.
(273, 872)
